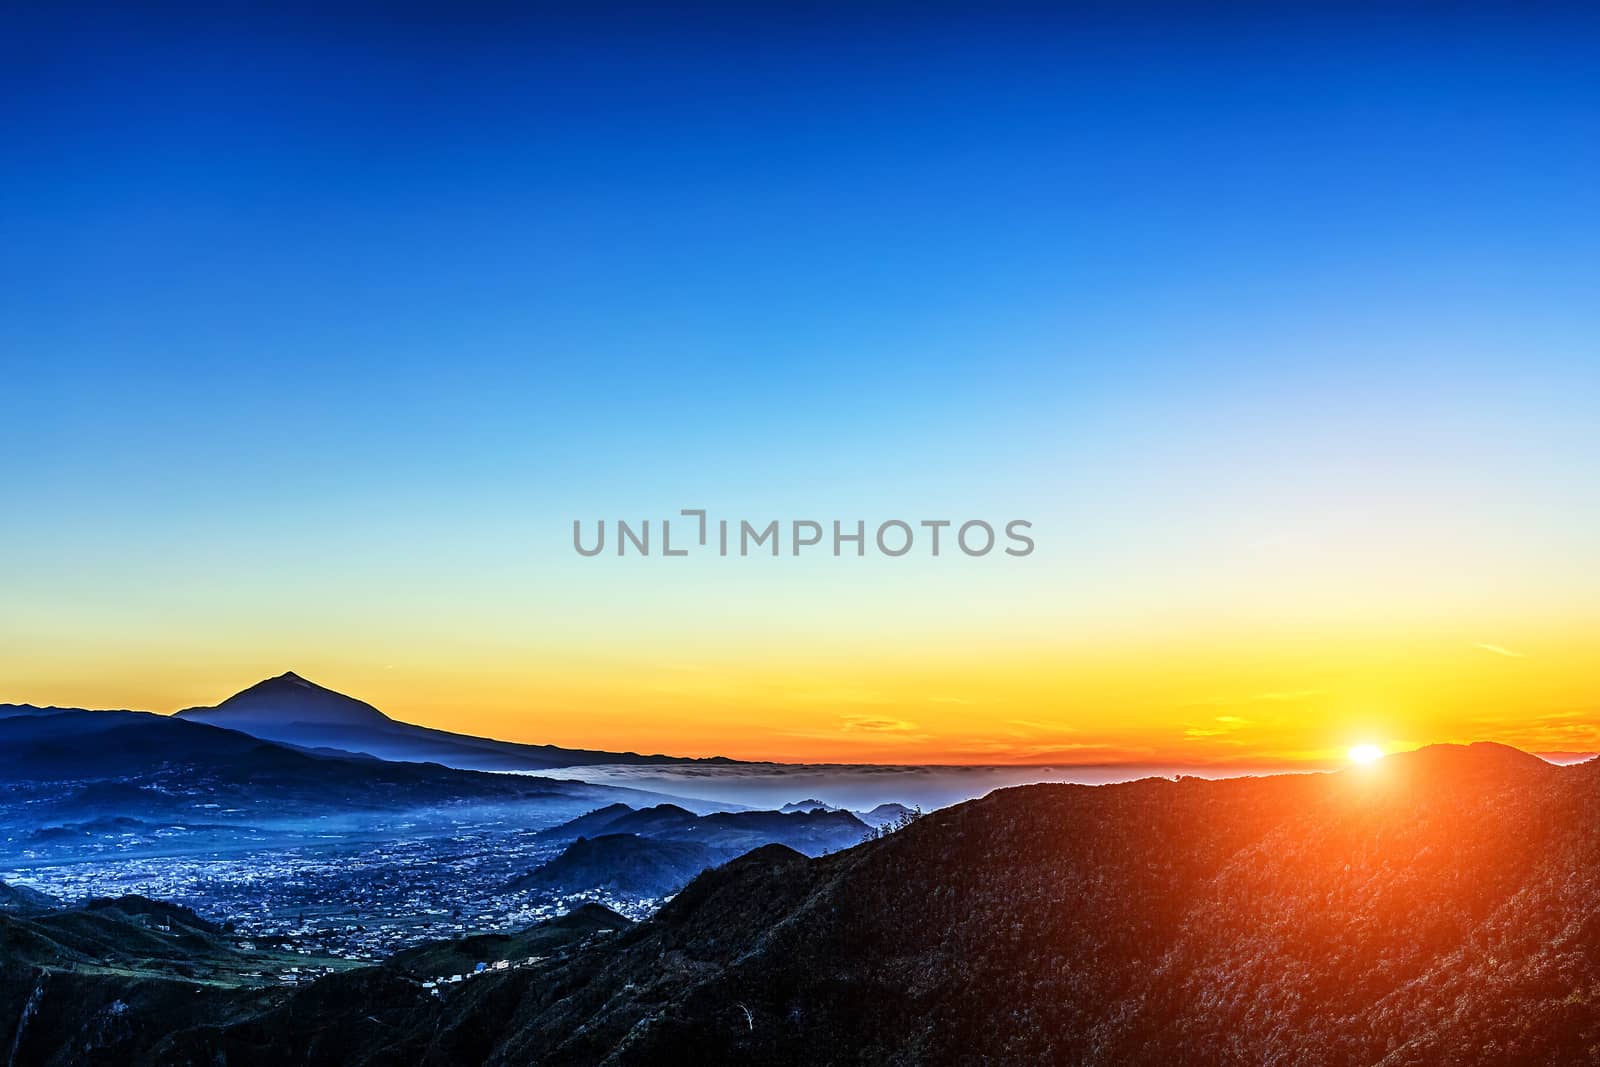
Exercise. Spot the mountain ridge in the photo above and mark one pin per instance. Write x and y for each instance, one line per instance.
(288, 693)
(1435, 907)
(291, 709)
(1329, 918)
(75, 778)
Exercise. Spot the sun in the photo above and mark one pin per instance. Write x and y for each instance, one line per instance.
(1365, 754)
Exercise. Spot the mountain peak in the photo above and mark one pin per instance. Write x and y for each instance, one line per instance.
(807, 805)
(288, 681)
(290, 698)
(1467, 764)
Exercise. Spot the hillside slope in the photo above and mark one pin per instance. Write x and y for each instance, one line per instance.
(622, 863)
(76, 780)
(293, 710)
(1438, 908)
(730, 833)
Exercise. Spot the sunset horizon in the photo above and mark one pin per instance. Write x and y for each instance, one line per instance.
(1189, 748)
(889, 535)
(1295, 441)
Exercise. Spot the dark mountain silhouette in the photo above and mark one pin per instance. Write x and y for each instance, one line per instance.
(588, 824)
(461, 956)
(661, 820)
(623, 863)
(1438, 907)
(885, 814)
(120, 981)
(638, 851)
(291, 710)
(133, 931)
(1480, 762)
(383, 1013)
(8, 711)
(111, 744)
(1441, 907)
(19, 899)
(119, 756)
(813, 833)
(731, 833)
(809, 804)
(75, 774)
(290, 699)
(91, 984)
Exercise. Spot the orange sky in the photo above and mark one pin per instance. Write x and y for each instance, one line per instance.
(1285, 345)
(1265, 700)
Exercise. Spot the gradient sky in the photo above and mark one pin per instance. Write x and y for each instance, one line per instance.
(318, 333)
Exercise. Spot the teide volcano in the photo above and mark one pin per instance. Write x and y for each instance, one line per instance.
(290, 700)
(293, 710)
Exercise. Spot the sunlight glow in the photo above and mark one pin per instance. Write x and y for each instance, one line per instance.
(1365, 754)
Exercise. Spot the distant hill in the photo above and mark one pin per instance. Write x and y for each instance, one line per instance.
(146, 935)
(8, 711)
(622, 863)
(589, 824)
(381, 1014)
(886, 814)
(85, 985)
(462, 956)
(19, 899)
(1437, 907)
(289, 699)
(73, 776)
(123, 757)
(656, 851)
(811, 832)
(809, 804)
(128, 980)
(291, 710)
(662, 820)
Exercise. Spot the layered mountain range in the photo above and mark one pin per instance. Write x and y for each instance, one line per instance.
(656, 851)
(1438, 907)
(292, 710)
(76, 779)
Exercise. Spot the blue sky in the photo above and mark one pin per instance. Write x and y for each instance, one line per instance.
(304, 308)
